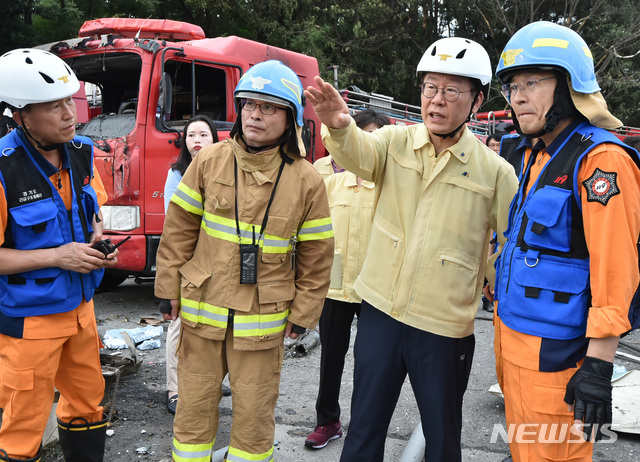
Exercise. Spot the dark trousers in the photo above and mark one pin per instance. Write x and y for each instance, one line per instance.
(335, 332)
(438, 367)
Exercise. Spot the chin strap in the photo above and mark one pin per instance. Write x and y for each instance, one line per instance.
(552, 118)
(48, 147)
(455, 131)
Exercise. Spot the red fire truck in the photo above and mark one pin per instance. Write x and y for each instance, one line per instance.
(143, 79)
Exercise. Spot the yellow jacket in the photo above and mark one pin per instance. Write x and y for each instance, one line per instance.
(198, 258)
(324, 167)
(351, 214)
(426, 261)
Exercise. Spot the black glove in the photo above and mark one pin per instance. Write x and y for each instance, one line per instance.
(296, 329)
(164, 306)
(590, 389)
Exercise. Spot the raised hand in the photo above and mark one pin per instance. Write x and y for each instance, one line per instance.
(330, 108)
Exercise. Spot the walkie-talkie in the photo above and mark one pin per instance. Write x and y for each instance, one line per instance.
(106, 247)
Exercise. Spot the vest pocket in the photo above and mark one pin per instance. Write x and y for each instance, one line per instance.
(34, 290)
(549, 219)
(36, 225)
(553, 293)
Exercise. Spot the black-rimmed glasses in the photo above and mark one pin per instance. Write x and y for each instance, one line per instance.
(265, 108)
(450, 93)
(510, 89)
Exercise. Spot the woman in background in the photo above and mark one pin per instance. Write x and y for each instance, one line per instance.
(199, 132)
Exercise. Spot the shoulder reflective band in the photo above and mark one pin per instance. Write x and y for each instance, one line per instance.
(315, 229)
(188, 199)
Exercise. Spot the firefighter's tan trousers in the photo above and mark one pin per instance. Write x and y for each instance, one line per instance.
(255, 379)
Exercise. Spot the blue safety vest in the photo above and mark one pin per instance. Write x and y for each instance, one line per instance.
(542, 281)
(38, 219)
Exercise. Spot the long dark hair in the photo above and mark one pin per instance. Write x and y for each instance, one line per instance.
(184, 158)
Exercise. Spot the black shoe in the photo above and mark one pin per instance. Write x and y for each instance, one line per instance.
(487, 305)
(226, 391)
(172, 402)
(507, 459)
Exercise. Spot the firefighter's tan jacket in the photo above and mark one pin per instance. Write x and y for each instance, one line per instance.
(198, 258)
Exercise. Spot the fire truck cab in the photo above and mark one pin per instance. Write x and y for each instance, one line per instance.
(143, 79)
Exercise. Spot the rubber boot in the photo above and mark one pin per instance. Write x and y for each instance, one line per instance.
(82, 441)
(5, 457)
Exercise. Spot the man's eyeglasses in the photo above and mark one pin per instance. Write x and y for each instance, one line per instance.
(265, 108)
(449, 93)
(511, 89)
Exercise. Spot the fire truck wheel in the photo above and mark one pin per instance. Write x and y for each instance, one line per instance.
(111, 280)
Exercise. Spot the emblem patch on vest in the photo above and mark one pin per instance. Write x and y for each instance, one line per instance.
(602, 186)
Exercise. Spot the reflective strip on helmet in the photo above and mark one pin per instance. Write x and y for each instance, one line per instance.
(550, 42)
(315, 229)
(183, 452)
(294, 88)
(225, 229)
(188, 199)
(257, 325)
(204, 313)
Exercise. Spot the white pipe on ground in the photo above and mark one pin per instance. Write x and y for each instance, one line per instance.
(414, 450)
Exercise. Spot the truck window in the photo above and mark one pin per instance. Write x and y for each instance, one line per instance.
(111, 81)
(197, 89)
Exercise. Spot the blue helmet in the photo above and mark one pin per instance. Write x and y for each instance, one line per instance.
(544, 44)
(274, 82)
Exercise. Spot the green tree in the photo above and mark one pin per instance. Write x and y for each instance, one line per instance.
(376, 44)
(16, 25)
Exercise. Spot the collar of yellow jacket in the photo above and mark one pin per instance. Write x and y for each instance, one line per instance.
(351, 180)
(461, 150)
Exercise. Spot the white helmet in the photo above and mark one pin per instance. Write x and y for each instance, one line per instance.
(457, 56)
(29, 75)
